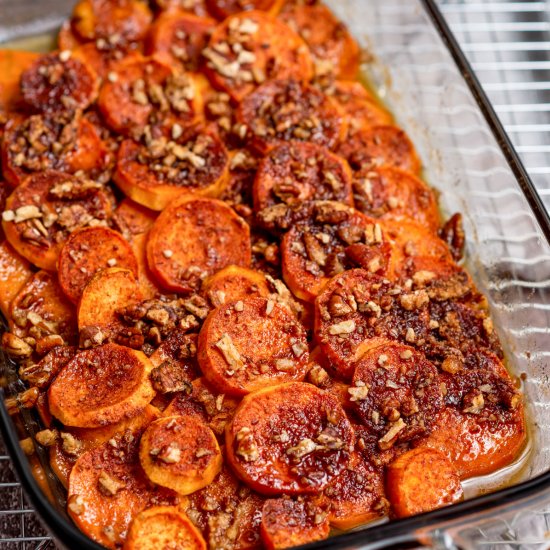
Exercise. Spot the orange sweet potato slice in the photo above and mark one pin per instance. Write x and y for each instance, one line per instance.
(194, 238)
(147, 282)
(268, 50)
(88, 251)
(180, 453)
(224, 8)
(103, 57)
(356, 496)
(421, 480)
(388, 192)
(234, 283)
(251, 344)
(287, 523)
(179, 37)
(293, 173)
(58, 82)
(133, 219)
(293, 439)
(335, 53)
(66, 142)
(107, 489)
(161, 527)
(156, 173)
(196, 7)
(66, 38)
(12, 65)
(40, 308)
(42, 212)
(40, 374)
(15, 271)
(380, 145)
(396, 393)
(287, 110)
(101, 386)
(334, 238)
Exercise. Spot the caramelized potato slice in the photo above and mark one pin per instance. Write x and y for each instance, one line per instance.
(194, 238)
(288, 110)
(107, 489)
(101, 386)
(196, 7)
(252, 344)
(133, 219)
(422, 480)
(66, 38)
(59, 82)
(287, 523)
(387, 192)
(88, 251)
(335, 53)
(40, 309)
(356, 496)
(380, 145)
(103, 58)
(180, 453)
(293, 173)
(147, 282)
(179, 37)
(334, 238)
(396, 393)
(42, 212)
(66, 142)
(15, 271)
(163, 527)
(293, 439)
(12, 64)
(268, 50)
(196, 162)
(224, 8)
(233, 283)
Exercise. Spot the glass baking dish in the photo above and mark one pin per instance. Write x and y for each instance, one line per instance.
(415, 65)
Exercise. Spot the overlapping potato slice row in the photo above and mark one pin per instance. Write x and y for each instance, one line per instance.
(46, 208)
(292, 438)
(101, 386)
(193, 238)
(250, 48)
(251, 344)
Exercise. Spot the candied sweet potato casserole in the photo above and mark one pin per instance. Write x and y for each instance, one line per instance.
(240, 317)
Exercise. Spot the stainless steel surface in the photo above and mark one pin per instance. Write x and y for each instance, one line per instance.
(508, 44)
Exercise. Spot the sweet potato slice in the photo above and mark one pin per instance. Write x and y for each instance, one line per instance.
(103, 57)
(105, 293)
(107, 489)
(41, 213)
(66, 38)
(196, 7)
(59, 82)
(396, 393)
(15, 271)
(194, 238)
(101, 386)
(234, 283)
(179, 37)
(133, 219)
(180, 453)
(421, 480)
(66, 142)
(287, 523)
(12, 65)
(147, 282)
(360, 107)
(287, 110)
(335, 53)
(40, 374)
(380, 145)
(387, 192)
(224, 8)
(252, 344)
(293, 173)
(293, 439)
(163, 527)
(88, 251)
(268, 50)
(40, 309)
(334, 238)
(156, 173)
(356, 496)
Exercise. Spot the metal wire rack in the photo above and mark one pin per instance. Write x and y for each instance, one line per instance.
(508, 44)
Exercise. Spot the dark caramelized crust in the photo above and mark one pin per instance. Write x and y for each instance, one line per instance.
(224, 8)
(293, 438)
(59, 82)
(287, 110)
(252, 47)
(293, 173)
